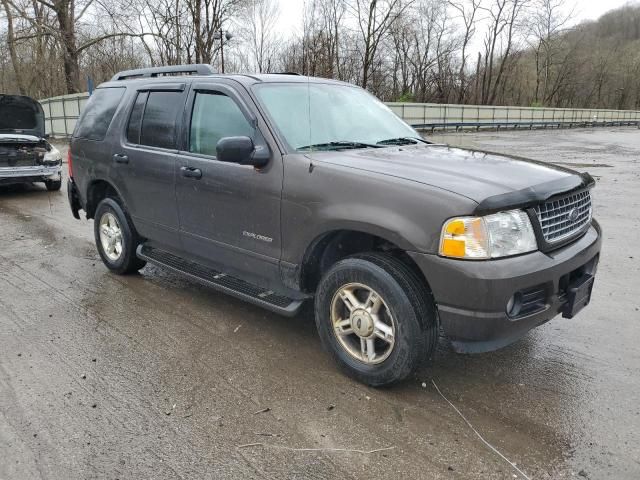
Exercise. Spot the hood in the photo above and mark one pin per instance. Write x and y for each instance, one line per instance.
(21, 115)
(492, 180)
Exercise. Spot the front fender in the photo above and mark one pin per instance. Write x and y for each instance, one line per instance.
(386, 224)
(327, 197)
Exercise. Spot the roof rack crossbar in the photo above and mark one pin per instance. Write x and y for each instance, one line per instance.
(197, 69)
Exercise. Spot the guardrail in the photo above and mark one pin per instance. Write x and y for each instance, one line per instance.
(61, 114)
(430, 116)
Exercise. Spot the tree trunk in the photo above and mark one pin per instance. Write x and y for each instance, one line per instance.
(65, 13)
(477, 89)
(368, 41)
(197, 20)
(71, 70)
(12, 48)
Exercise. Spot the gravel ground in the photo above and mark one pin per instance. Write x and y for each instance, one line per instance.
(154, 377)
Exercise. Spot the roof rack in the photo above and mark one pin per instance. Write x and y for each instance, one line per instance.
(287, 73)
(195, 69)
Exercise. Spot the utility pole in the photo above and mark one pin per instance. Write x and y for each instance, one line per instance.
(222, 50)
(222, 35)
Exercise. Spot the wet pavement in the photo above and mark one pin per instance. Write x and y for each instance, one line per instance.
(155, 377)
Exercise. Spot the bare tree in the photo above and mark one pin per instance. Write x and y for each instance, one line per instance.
(499, 42)
(409, 49)
(374, 18)
(59, 20)
(260, 31)
(468, 13)
(207, 18)
(547, 23)
(11, 44)
(170, 20)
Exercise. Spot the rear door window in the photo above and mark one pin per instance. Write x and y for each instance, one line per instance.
(159, 119)
(96, 118)
(215, 116)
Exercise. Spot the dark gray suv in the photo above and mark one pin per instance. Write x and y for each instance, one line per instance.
(280, 189)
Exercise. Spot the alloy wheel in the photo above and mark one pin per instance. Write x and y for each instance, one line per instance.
(111, 236)
(363, 323)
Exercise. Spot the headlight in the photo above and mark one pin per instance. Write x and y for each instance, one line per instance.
(498, 235)
(53, 155)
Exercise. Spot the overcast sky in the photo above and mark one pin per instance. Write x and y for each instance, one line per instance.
(592, 9)
(291, 11)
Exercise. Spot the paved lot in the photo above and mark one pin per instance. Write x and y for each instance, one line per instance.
(153, 377)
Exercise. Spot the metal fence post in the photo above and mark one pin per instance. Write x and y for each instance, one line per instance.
(64, 114)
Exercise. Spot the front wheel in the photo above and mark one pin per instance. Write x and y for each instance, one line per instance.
(116, 238)
(376, 318)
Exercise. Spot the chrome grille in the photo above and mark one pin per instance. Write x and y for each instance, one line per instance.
(562, 218)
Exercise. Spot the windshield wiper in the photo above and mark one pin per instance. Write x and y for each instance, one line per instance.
(402, 141)
(340, 145)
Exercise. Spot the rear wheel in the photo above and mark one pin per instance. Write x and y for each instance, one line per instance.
(376, 317)
(116, 238)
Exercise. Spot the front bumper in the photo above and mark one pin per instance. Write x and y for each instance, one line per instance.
(472, 295)
(36, 173)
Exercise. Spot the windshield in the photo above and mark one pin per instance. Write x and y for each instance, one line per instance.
(331, 117)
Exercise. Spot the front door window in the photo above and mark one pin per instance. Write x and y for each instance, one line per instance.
(215, 116)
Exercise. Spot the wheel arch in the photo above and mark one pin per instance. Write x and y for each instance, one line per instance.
(98, 190)
(332, 246)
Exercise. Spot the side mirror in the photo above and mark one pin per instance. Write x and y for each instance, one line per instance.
(241, 150)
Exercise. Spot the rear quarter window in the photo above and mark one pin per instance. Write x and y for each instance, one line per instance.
(98, 113)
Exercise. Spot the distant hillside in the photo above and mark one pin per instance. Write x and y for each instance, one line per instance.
(595, 64)
(622, 24)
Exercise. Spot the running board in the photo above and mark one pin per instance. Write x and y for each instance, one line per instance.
(221, 281)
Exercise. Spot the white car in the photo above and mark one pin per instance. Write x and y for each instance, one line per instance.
(25, 154)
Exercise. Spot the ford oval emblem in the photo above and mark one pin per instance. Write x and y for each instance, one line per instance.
(573, 214)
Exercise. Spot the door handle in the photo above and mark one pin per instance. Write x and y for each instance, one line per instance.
(120, 158)
(191, 172)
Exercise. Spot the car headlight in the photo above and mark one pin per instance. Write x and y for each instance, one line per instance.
(492, 236)
(53, 155)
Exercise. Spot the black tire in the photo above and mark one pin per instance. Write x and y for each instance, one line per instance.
(127, 262)
(406, 297)
(53, 185)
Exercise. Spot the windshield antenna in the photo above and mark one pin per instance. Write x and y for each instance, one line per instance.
(306, 67)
